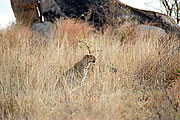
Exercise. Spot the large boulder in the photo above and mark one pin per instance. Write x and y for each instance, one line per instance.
(145, 29)
(101, 13)
(43, 29)
(24, 11)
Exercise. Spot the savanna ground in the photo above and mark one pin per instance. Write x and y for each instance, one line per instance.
(29, 70)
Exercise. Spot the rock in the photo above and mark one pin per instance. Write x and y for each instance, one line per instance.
(100, 13)
(107, 12)
(51, 10)
(145, 29)
(24, 11)
(43, 30)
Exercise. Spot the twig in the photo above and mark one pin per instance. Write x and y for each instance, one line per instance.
(112, 69)
(4, 92)
(177, 11)
(164, 84)
(26, 68)
(168, 8)
(110, 61)
(26, 72)
(169, 99)
(86, 46)
(11, 85)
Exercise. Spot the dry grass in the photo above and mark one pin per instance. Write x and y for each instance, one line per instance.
(72, 31)
(28, 73)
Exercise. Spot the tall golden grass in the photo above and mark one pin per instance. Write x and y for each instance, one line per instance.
(28, 74)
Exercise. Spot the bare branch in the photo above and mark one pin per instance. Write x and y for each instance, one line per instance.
(177, 11)
(167, 11)
(169, 99)
(172, 9)
(4, 92)
(89, 51)
(11, 84)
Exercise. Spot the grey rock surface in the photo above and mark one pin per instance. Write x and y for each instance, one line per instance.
(42, 28)
(143, 29)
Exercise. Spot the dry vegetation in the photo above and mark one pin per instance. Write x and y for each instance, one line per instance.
(28, 71)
